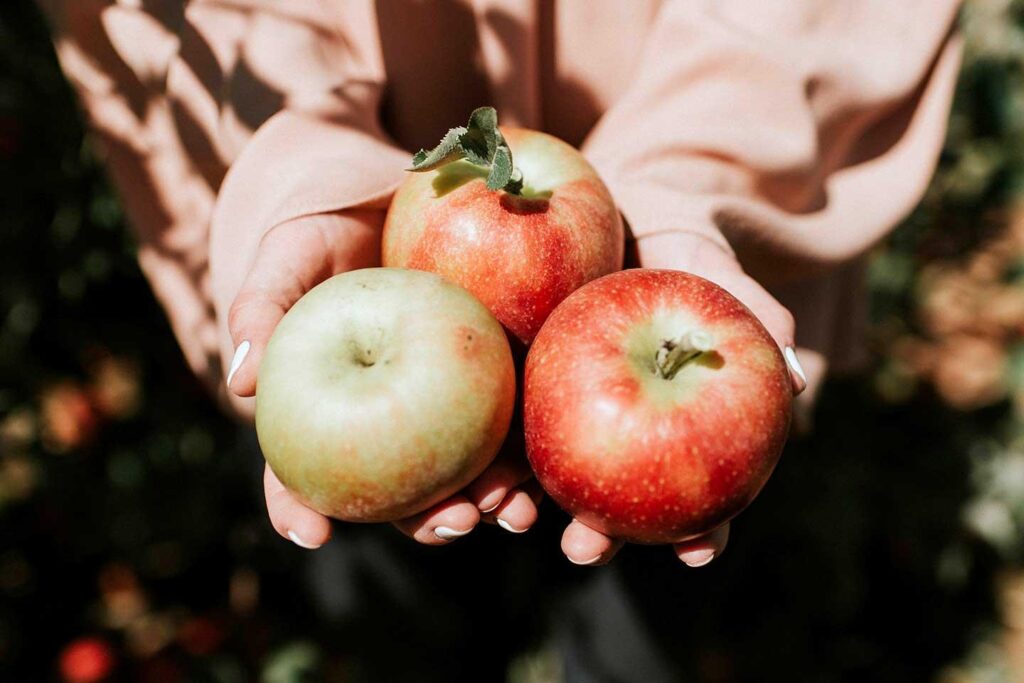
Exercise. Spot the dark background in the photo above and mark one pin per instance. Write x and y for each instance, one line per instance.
(888, 545)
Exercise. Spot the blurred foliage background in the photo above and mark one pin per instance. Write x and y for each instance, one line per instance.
(133, 544)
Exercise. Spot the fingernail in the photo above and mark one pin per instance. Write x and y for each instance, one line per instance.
(295, 538)
(697, 558)
(794, 365)
(446, 533)
(593, 560)
(491, 502)
(236, 361)
(508, 527)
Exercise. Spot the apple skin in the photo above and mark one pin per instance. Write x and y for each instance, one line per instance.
(632, 454)
(520, 255)
(382, 392)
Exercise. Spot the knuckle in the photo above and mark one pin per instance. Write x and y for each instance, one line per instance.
(238, 313)
(779, 321)
(787, 323)
(276, 519)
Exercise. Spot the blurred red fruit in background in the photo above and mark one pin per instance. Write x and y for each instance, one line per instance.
(86, 660)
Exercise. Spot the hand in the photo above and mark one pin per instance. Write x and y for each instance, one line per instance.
(701, 256)
(291, 259)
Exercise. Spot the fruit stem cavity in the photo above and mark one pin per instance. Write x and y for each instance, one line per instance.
(674, 353)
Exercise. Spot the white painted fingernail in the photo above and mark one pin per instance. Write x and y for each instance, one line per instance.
(591, 561)
(508, 527)
(296, 539)
(698, 558)
(236, 361)
(794, 364)
(446, 533)
(497, 497)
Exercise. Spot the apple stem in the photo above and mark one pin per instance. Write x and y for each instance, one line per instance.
(673, 354)
(479, 142)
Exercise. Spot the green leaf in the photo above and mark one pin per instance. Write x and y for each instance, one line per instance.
(484, 118)
(450, 149)
(501, 169)
(479, 142)
(474, 146)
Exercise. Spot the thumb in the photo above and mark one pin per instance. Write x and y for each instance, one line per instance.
(291, 259)
(775, 317)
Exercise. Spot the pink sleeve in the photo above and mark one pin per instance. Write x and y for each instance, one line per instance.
(324, 151)
(801, 131)
(295, 165)
(282, 97)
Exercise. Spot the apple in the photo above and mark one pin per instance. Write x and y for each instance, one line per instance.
(521, 237)
(382, 392)
(655, 405)
(86, 660)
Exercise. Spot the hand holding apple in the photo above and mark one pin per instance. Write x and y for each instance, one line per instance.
(382, 392)
(696, 254)
(296, 256)
(656, 406)
(292, 259)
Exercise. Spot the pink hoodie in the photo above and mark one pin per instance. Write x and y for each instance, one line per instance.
(799, 131)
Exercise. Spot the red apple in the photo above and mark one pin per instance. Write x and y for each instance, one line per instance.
(383, 392)
(86, 660)
(656, 405)
(520, 251)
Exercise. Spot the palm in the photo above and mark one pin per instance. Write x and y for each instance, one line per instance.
(296, 256)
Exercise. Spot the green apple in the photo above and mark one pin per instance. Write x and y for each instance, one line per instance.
(382, 392)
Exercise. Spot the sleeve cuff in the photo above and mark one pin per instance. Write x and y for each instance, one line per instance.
(295, 165)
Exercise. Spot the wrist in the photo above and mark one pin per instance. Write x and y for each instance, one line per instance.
(693, 251)
(690, 236)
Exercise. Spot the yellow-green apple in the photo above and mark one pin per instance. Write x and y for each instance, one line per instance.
(655, 405)
(522, 236)
(382, 392)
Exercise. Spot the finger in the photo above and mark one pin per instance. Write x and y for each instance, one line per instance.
(584, 546)
(304, 527)
(775, 317)
(490, 489)
(517, 513)
(700, 551)
(796, 370)
(533, 488)
(448, 520)
(291, 259)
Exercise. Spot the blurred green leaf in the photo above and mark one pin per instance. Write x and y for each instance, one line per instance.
(293, 663)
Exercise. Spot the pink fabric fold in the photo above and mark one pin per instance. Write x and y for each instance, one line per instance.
(795, 132)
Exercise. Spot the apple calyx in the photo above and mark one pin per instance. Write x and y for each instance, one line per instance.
(674, 353)
(479, 142)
